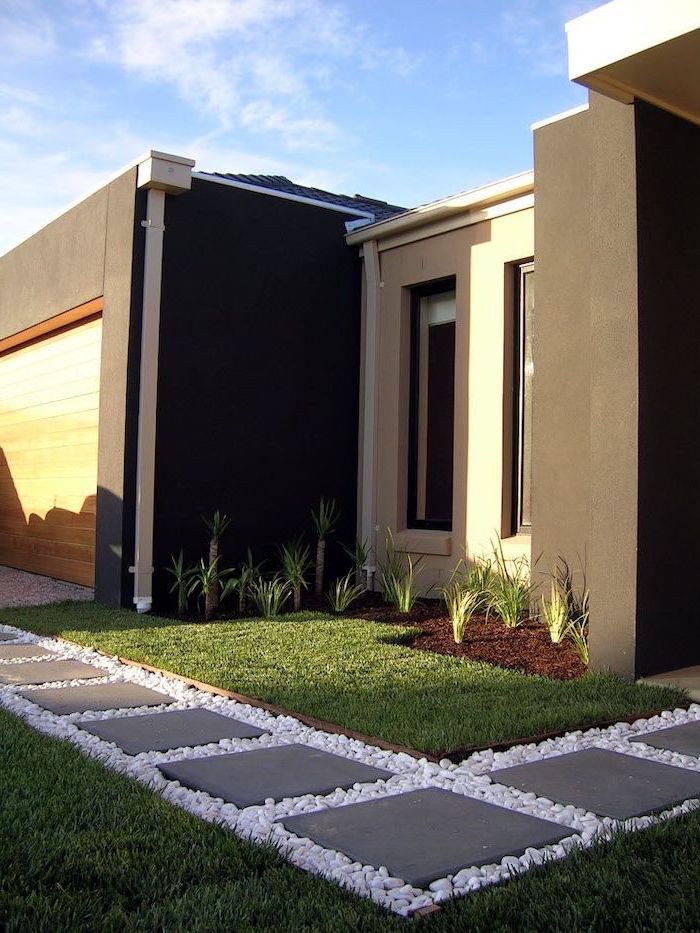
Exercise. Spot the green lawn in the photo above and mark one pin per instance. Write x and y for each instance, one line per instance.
(86, 849)
(356, 674)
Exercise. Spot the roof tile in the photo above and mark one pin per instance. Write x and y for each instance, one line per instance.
(380, 209)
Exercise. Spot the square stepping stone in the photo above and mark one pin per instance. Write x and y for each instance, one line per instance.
(8, 652)
(425, 834)
(250, 778)
(95, 697)
(159, 732)
(607, 783)
(7, 636)
(683, 739)
(45, 672)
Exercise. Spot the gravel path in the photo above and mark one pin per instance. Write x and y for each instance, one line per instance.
(476, 778)
(19, 588)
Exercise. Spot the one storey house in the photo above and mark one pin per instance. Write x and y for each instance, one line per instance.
(519, 360)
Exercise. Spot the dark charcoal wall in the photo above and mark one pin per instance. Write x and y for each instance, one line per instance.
(258, 380)
(668, 208)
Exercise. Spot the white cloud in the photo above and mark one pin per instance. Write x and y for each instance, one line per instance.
(262, 64)
(261, 77)
(26, 32)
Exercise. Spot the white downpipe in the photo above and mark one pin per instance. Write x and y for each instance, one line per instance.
(368, 506)
(148, 390)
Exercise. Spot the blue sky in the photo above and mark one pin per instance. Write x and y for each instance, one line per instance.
(397, 99)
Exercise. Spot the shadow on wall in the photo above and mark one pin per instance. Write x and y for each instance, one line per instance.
(60, 545)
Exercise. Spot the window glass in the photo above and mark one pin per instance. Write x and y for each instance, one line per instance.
(525, 377)
(432, 394)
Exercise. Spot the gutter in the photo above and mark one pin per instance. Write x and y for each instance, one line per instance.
(473, 200)
(159, 174)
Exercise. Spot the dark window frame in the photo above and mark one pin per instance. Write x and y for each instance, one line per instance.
(436, 287)
(519, 271)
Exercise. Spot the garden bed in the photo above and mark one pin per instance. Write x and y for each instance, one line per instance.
(527, 648)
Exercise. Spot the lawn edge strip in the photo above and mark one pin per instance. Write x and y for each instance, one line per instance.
(459, 754)
(320, 724)
(455, 756)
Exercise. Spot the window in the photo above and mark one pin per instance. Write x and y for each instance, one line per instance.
(524, 372)
(431, 423)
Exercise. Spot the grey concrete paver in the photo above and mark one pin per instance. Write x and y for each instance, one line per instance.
(95, 697)
(8, 652)
(7, 636)
(683, 739)
(44, 672)
(604, 782)
(252, 777)
(160, 732)
(425, 834)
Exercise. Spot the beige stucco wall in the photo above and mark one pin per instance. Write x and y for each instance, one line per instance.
(481, 256)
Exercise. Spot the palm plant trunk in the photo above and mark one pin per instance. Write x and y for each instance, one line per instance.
(212, 598)
(297, 598)
(320, 565)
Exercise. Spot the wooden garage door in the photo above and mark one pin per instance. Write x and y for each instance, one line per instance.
(49, 400)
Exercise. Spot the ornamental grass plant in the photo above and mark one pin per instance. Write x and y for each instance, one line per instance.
(398, 576)
(344, 592)
(512, 589)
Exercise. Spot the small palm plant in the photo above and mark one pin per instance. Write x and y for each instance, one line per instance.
(205, 577)
(217, 525)
(296, 564)
(247, 576)
(360, 556)
(182, 576)
(325, 520)
(344, 592)
(398, 577)
(269, 595)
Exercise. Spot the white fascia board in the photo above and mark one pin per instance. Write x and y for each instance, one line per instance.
(623, 28)
(457, 222)
(564, 115)
(135, 163)
(259, 189)
(467, 202)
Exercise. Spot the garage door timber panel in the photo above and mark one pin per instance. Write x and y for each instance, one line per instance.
(49, 410)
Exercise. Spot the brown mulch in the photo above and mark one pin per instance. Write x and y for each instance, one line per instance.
(527, 648)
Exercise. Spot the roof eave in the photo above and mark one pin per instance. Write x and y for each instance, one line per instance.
(467, 201)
